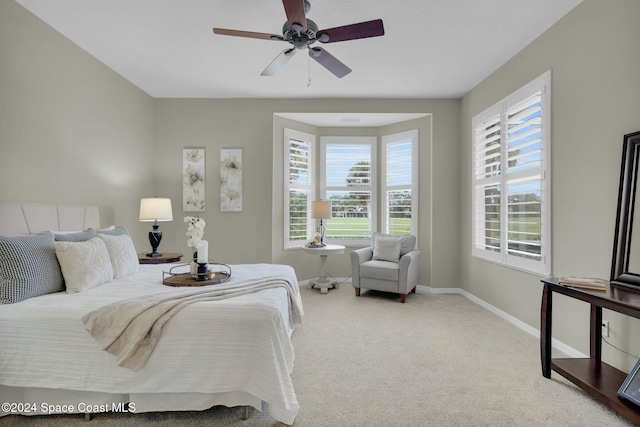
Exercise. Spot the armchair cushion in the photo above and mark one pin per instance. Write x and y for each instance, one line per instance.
(383, 270)
(386, 248)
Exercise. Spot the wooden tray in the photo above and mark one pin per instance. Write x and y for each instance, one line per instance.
(185, 279)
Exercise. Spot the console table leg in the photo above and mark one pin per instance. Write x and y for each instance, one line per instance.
(595, 339)
(545, 330)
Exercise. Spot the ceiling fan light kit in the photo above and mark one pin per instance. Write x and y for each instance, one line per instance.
(302, 33)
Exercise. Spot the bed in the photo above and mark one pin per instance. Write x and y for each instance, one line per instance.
(222, 351)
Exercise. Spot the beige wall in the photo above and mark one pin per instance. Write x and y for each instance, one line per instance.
(71, 130)
(255, 234)
(593, 56)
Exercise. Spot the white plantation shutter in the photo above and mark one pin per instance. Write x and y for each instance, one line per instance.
(524, 177)
(347, 179)
(299, 187)
(400, 183)
(511, 186)
(487, 163)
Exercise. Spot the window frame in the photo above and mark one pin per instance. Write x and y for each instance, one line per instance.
(413, 135)
(310, 188)
(372, 142)
(542, 267)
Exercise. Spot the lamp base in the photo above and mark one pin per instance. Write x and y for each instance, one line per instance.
(155, 237)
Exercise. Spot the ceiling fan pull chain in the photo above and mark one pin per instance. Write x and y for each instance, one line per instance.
(309, 71)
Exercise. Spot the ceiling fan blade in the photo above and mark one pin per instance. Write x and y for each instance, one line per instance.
(250, 34)
(329, 62)
(351, 32)
(279, 62)
(295, 13)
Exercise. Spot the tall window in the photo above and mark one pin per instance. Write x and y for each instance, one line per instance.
(511, 186)
(400, 183)
(298, 186)
(348, 180)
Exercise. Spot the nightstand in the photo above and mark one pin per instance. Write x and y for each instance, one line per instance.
(165, 258)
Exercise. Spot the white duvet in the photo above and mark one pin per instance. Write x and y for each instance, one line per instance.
(241, 344)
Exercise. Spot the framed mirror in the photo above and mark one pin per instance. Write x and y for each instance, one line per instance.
(625, 267)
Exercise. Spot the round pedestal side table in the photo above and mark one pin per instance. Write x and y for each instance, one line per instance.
(323, 282)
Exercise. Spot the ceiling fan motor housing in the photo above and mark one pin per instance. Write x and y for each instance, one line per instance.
(302, 39)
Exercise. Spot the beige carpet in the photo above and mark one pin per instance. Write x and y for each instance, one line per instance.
(438, 360)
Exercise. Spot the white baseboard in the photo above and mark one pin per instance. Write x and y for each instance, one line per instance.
(557, 344)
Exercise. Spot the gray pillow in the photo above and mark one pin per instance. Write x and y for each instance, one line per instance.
(80, 236)
(387, 248)
(28, 267)
(407, 242)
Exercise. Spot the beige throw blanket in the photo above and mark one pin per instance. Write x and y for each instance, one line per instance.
(130, 329)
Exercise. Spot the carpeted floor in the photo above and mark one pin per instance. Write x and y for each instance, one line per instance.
(438, 360)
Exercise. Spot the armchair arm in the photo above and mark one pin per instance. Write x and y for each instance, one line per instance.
(359, 256)
(409, 270)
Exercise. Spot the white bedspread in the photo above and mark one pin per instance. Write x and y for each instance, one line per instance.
(236, 344)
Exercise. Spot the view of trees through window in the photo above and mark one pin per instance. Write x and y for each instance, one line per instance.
(348, 185)
(346, 175)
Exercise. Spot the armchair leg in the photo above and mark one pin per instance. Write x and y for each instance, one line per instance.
(413, 291)
(357, 291)
(403, 298)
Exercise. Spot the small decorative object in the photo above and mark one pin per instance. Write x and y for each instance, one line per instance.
(216, 274)
(231, 180)
(203, 252)
(630, 388)
(193, 167)
(195, 232)
(155, 209)
(203, 260)
(321, 209)
(203, 269)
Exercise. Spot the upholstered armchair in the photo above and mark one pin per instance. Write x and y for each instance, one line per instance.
(390, 264)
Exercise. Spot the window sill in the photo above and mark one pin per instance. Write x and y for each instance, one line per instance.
(511, 266)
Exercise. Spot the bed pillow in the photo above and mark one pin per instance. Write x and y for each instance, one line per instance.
(28, 267)
(386, 248)
(74, 236)
(84, 264)
(115, 231)
(122, 253)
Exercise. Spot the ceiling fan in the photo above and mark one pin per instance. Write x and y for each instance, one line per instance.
(302, 33)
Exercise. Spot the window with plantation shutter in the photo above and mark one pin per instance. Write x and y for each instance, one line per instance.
(299, 186)
(348, 180)
(511, 184)
(400, 183)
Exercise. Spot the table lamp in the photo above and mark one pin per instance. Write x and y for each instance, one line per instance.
(321, 209)
(155, 209)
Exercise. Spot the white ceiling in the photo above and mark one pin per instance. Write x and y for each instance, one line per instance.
(431, 48)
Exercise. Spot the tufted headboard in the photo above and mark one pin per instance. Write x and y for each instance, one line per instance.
(31, 218)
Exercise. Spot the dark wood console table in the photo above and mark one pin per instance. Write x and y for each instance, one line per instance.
(597, 378)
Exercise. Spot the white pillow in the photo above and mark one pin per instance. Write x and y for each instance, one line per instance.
(84, 264)
(122, 253)
(387, 248)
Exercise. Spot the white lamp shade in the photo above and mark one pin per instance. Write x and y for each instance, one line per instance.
(156, 209)
(321, 209)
